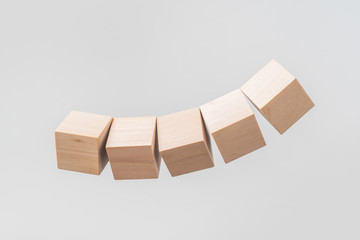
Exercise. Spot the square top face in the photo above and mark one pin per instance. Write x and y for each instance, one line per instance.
(84, 124)
(179, 129)
(129, 132)
(267, 83)
(225, 110)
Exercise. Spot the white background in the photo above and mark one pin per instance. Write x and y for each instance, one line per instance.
(140, 58)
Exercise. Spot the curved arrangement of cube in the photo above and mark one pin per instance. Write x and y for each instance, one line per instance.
(85, 142)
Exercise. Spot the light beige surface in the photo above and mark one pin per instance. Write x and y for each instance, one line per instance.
(287, 107)
(188, 158)
(137, 131)
(278, 95)
(184, 143)
(179, 129)
(225, 110)
(132, 148)
(84, 124)
(232, 123)
(80, 142)
(267, 83)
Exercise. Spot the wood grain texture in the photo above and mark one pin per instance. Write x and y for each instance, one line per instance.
(233, 125)
(132, 148)
(278, 95)
(184, 143)
(80, 142)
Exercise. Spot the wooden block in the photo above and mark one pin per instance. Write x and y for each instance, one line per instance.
(232, 123)
(183, 142)
(132, 148)
(80, 142)
(278, 95)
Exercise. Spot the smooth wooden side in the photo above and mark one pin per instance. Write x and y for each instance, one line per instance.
(133, 162)
(132, 148)
(188, 158)
(278, 95)
(84, 124)
(183, 142)
(287, 107)
(267, 83)
(225, 110)
(179, 129)
(233, 126)
(77, 153)
(133, 131)
(239, 139)
(80, 142)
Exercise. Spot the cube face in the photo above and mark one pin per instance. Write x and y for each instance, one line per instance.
(135, 131)
(287, 107)
(183, 142)
(179, 129)
(77, 153)
(132, 148)
(278, 95)
(188, 158)
(134, 162)
(239, 139)
(233, 125)
(80, 142)
(84, 124)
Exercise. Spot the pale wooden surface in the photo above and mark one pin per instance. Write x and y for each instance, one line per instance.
(80, 142)
(132, 148)
(183, 142)
(136, 131)
(179, 129)
(225, 110)
(232, 123)
(278, 95)
(84, 124)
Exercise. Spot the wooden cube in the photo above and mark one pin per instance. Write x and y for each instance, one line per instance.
(232, 123)
(132, 148)
(183, 142)
(80, 142)
(278, 95)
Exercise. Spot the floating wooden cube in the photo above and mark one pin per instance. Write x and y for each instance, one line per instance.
(183, 142)
(278, 95)
(232, 123)
(132, 148)
(80, 142)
